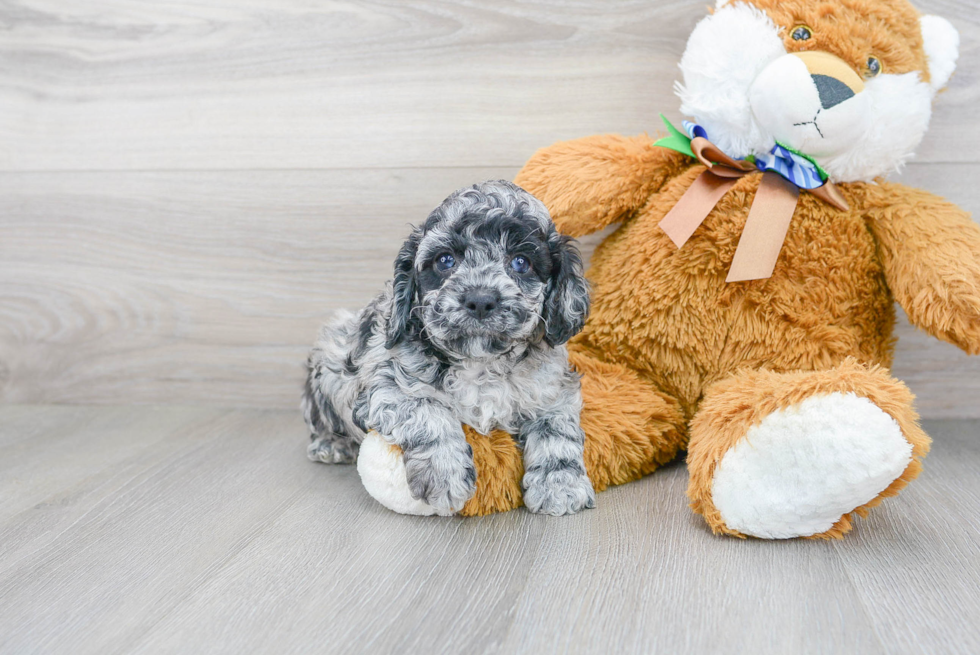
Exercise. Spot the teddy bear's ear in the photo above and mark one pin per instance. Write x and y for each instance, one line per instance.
(942, 45)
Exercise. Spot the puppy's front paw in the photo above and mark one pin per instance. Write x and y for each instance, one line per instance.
(564, 491)
(444, 478)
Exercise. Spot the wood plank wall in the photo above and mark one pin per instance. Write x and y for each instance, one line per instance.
(188, 189)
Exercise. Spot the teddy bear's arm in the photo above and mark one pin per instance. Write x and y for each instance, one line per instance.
(930, 249)
(592, 182)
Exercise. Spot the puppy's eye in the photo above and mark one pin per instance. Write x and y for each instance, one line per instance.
(802, 33)
(444, 262)
(520, 264)
(874, 67)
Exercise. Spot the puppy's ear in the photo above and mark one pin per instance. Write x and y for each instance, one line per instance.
(404, 288)
(567, 304)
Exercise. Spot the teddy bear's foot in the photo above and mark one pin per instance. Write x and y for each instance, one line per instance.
(795, 455)
(498, 475)
(382, 471)
(803, 467)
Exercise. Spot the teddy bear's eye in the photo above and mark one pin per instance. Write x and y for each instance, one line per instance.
(801, 33)
(874, 66)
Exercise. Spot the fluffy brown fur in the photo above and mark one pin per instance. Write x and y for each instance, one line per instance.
(632, 429)
(499, 469)
(851, 29)
(670, 343)
(732, 406)
(928, 248)
(667, 313)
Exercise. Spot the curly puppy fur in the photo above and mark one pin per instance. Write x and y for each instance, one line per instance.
(471, 331)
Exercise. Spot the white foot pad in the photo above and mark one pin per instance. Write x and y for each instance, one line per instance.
(801, 469)
(382, 473)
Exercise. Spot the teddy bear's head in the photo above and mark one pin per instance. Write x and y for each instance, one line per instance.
(848, 83)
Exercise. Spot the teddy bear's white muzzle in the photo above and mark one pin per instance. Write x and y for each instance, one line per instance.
(810, 103)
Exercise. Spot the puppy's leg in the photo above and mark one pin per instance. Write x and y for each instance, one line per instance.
(331, 441)
(327, 402)
(438, 461)
(555, 481)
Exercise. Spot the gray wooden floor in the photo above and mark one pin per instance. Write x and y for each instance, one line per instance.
(175, 529)
(187, 189)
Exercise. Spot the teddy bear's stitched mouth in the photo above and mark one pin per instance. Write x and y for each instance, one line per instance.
(813, 123)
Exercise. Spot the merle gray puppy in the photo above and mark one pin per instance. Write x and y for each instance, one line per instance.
(471, 330)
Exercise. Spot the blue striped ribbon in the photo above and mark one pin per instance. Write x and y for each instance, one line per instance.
(794, 167)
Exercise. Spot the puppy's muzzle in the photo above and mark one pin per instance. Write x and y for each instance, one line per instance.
(481, 303)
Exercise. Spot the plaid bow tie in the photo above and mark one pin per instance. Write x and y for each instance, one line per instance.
(794, 166)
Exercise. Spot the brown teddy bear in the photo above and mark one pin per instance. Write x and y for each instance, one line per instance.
(743, 309)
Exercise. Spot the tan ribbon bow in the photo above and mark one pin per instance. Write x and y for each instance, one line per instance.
(769, 217)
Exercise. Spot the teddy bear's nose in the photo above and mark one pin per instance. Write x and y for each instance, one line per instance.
(832, 91)
(835, 79)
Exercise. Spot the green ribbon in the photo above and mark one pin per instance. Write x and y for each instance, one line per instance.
(681, 142)
(676, 141)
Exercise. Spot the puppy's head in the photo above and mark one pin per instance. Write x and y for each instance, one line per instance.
(485, 273)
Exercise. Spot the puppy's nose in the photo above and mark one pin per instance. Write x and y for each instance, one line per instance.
(832, 91)
(480, 303)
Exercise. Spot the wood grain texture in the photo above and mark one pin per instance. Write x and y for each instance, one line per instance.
(213, 533)
(245, 84)
(209, 286)
(188, 189)
(206, 287)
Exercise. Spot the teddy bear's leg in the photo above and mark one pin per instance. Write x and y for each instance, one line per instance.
(630, 429)
(780, 455)
(498, 474)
